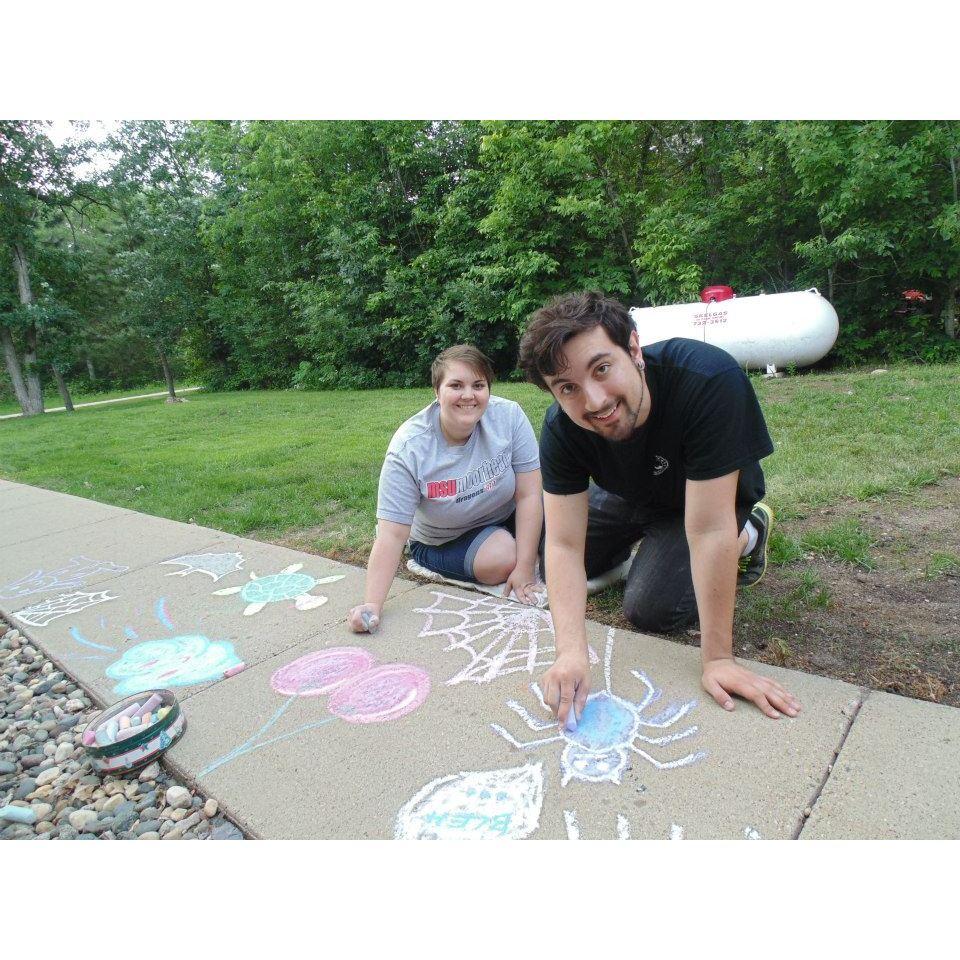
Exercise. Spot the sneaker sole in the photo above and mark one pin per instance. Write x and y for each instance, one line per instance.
(768, 512)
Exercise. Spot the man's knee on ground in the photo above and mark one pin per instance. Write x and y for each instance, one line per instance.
(650, 614)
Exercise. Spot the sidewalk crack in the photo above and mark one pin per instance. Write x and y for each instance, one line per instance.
(811, 806)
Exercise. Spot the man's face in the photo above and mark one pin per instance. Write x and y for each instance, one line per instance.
(600, 389)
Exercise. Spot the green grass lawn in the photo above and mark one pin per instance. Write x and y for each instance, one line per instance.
(272, 464)
(51, 396)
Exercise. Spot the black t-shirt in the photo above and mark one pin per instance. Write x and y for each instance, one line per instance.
(705, 422)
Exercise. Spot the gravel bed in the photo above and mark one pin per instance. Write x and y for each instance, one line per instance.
(44, 767)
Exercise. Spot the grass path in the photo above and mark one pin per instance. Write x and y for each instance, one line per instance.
(52, 399)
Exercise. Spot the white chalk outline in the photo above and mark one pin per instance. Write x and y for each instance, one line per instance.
(593, 765)
(44, 613)
(509, 637)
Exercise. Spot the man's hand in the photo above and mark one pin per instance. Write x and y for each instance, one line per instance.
(567, 682)
(355, 618)
(724, 677)
(523, 583)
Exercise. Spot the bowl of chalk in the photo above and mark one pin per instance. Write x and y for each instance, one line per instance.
(133, 732)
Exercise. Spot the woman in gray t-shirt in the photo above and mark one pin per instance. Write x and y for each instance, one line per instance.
(461, 482)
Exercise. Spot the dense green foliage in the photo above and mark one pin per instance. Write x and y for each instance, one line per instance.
(347, 253)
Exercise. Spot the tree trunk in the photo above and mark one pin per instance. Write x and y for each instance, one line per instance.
(167, 375)
(32, 377)
(950, 308)
(63, 388)
(90, 371)
(16, 374)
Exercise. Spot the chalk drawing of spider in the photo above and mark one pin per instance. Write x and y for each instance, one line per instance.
(288, 584)
(608, 730)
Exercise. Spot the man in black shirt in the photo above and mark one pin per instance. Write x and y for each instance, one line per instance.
(671, 436)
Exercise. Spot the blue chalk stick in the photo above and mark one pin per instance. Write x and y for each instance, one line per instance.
(571, 723)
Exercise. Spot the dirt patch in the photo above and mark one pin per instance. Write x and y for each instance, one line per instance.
(895, 627)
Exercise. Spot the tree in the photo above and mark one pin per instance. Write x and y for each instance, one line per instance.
(161, 267)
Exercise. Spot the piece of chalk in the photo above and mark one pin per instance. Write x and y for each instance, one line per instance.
(124, 722)
(146, 720)
(89, 737)
(370, 621)
(17, 814)
(129, 711)
(150, 705)
(129, 732)
(571, 723)
(233, 671)
(113, 728)
(162, 712)
(102, 738)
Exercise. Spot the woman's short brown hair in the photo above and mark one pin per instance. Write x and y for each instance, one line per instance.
(461, 353)
(550, 327)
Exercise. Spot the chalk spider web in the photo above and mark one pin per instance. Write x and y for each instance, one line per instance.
(499, 637)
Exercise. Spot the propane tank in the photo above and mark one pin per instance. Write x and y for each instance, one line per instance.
(762, 332)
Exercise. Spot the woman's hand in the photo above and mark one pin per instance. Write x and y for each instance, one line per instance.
(364, 618)
(524, 585)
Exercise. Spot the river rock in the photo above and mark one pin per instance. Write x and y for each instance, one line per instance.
(26, 787)
(150, 773)
(178, 798)
(124, 816)
(210, 808)
(81, 819)
(226, 831)
(48, 776)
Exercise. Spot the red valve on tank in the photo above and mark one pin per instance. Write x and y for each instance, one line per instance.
(717, 292)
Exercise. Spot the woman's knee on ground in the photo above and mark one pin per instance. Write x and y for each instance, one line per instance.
(496, 558)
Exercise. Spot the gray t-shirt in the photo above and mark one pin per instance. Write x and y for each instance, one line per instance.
(442, 490)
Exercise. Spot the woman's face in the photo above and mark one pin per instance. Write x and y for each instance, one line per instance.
(463, 395)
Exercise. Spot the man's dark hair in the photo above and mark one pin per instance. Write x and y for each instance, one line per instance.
(550, 327)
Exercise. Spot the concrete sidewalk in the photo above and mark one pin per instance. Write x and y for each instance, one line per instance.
(433, 727)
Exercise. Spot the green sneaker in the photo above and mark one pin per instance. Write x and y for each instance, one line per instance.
(754, 564)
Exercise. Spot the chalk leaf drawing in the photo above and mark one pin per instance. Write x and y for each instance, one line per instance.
(288, 584)
(70, 575)
(476, 805)
(499, 637)
(361, 691)
(215, 565)
(608, 730)
(180, 661)
(44, 613)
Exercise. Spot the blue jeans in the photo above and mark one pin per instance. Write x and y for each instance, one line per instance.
(454, 559)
